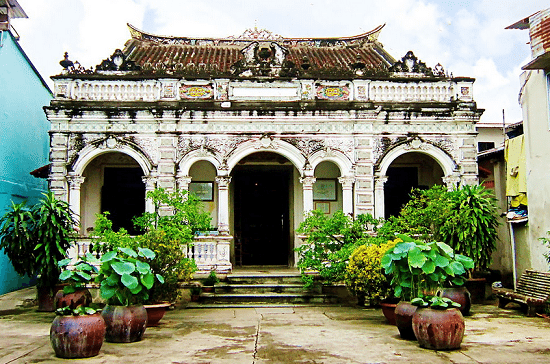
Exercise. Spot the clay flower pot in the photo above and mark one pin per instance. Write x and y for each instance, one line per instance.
(155, 312)
(459, 295)
(80, 297)
(124, 324)
(388, 309)
(438, 329)
(77, 336)
(404, 312)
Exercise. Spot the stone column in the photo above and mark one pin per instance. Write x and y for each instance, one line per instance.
(75, 181)
(223, 203)
(182, 183)
(451, 181)
(379, 208)
(307, 186)
(150, 185)
(347, 194)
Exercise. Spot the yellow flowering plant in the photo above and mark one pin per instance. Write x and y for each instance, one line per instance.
(365, 276)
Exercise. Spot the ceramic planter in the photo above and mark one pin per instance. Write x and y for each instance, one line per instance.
(155, 313)
(404, 312)
(80, 297)
(459, 295)
(388, 309)
(124, 324)
(77, 336)
(438, 329)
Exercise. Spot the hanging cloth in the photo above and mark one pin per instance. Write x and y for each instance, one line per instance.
(514, 154)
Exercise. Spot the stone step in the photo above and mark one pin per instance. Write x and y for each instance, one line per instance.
(271, 278)
(264, 288)
(266, 298)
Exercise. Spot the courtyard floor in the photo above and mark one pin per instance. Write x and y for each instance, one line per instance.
(327, 334)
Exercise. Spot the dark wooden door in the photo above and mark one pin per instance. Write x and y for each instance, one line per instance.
(398, 187)
(123, 195)
(262, 215)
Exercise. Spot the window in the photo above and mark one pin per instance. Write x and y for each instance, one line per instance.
(483, 146)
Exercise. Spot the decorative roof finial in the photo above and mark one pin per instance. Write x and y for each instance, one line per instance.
(66, 62)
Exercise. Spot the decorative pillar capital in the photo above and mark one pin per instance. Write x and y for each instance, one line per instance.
(379, 182)
(75, 181)
(451, 181)
(223, 181)
(182, 182)
(346, 182)
(150, 182)
(308, 182)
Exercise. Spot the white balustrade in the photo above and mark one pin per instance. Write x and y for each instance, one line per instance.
(209, 252)
(386, 91)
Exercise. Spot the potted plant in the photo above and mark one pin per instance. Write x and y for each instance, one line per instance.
(75, 290)
(418, 269)
(195, 292)
(125, 279)
(35, 239)
(77, 332)
(437, 323)
(365, 277)
(210, 281)
(78, 329)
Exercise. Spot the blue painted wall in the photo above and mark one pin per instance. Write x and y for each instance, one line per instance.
(24, 139)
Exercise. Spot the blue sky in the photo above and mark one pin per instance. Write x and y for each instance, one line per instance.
(467, 37)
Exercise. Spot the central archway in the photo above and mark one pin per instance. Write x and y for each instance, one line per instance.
(263, 197)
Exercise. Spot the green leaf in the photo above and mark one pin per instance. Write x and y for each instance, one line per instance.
(467, 262)
(107, 291)
(123, 267)
(160, 278)
(128, 251)
(129, 281)
(142, 267)
(446, 248)
(428, 267)
(136, 289)
(441, 261)
(85, 276)
(113, 279)
(147, 253)
(457, 268)
(64, 262)
(66, 274)
(148, 280)
(108, 256)
(416, 258)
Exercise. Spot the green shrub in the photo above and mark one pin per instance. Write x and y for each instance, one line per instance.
(365, 276)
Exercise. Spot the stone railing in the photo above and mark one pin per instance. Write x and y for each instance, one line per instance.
(415, 90)
(209, 252)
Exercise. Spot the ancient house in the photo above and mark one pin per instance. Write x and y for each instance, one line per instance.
(263, 128)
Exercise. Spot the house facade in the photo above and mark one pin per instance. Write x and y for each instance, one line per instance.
(23, 129)
(262, 128)
(534, 98)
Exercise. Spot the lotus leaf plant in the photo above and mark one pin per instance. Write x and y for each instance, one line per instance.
(125, 277)
(420, 268)
(80, 275)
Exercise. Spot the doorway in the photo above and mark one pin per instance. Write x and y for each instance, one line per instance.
(401, 180)
(261, 200)
(123, 195)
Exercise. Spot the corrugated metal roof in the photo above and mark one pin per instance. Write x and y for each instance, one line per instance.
(539, 31)
(16, 9)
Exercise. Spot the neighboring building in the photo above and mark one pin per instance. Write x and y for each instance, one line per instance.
(535, 103)
(264, 128)
(23, 128)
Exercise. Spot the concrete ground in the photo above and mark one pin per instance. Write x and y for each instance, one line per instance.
(328, 334)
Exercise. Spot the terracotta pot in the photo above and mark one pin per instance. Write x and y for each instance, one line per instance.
(77, 336)
(459, 295)
(404, 312)
(388, 309)
(124, 324)
(476, 286)
(155, 313)
(438, 329)
(45, 297)
(208, 289)
(80, 297)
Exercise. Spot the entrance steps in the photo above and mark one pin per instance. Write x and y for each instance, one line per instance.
(280, 287)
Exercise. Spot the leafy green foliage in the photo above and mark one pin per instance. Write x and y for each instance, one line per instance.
(81, 274)
(329, 242)
(436, 302)
(365, 276)
(125, 277)
(37, 238)
(418, 267)
(212, 278)
(78, 311)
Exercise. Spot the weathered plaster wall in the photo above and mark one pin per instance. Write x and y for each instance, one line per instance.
(535, 105)
(23, 137)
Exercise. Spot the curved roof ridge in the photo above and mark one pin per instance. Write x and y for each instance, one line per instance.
(258, 35)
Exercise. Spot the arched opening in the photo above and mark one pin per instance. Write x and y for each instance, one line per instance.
(262, 199)
(408, 171)
(327, 192)
(113, 182)
(203, 185)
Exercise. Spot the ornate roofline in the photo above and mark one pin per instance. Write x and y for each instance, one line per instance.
(255, 35)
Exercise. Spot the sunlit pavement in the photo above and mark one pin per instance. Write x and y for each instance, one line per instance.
(327, 334)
